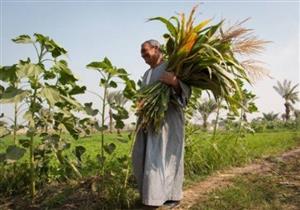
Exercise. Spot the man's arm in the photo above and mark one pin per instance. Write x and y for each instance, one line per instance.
(169, 78)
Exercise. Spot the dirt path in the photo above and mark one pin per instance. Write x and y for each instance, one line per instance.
(200, 191)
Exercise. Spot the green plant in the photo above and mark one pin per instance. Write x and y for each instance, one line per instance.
(202, 58)
(290, 95)
(49, 85)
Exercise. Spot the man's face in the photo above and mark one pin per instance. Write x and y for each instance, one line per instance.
(149, 53)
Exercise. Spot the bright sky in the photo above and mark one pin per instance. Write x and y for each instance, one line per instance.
(91, 30)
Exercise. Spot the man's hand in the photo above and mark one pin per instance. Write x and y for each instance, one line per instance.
(169, 78)
(140, 104)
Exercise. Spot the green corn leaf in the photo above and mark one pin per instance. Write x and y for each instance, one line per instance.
(171, 28)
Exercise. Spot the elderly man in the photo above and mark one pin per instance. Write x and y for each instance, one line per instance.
(158, 157)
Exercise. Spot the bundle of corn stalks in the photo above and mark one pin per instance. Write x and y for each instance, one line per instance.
(202, 57)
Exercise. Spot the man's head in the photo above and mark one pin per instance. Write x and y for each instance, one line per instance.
(150, 51)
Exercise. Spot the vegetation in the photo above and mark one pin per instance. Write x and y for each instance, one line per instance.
(201, 57)
(68, 150)
(206, 108)
(290, 95)
(276, 189)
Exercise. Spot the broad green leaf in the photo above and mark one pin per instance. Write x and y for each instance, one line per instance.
(130, 89)
(23, 39)
(29, 70)
(72, 101)
(65, 74)
(110, 148)
(122, 113)
(49, 75)
(79, 150)
(104, 66)
(25, 142)
(51, 95)
(119, 124)
(13, 95)
(9, 74)
(122, 73)
(50, 45)
(28, 117)
(107, 62)
(77, 90)
(14, 153)
(113, 84)
(102, 82)
(89, 110)
(70, 125)
(171, 28)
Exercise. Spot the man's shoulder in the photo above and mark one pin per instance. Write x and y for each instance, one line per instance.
(146, 72)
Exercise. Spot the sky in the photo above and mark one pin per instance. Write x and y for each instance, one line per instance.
(92, 30)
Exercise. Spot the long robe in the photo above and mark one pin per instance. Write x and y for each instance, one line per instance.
(157, 158)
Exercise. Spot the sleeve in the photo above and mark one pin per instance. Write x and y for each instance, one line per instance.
(144, 78)
(185, 95)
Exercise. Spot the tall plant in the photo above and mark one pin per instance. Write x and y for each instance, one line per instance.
(109, 75)
(8, 75)
(271, 116)
(290, 95)
(115, 98)
(206, 108)
(50, 85)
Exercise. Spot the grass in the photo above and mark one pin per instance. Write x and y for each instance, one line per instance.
(276, 190)
(91, 143)
(246, 193)
(202, 157)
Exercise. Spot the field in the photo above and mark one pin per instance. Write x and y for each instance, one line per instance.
(202, 158)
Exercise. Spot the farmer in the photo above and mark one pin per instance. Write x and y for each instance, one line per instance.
(158, 157)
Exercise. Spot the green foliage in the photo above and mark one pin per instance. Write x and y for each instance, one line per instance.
(204, 155)
(14, 153)
(4, 130)
(290, 95)
(14, 179)
(109, 75)
(203, 58)
(50, 89)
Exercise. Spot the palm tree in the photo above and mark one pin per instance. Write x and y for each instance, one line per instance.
(115, 98)
(205, 109)
(289, 93)
(271, 116)
(297, 114)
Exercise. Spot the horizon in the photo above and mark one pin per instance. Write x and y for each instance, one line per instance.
(91, 30)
